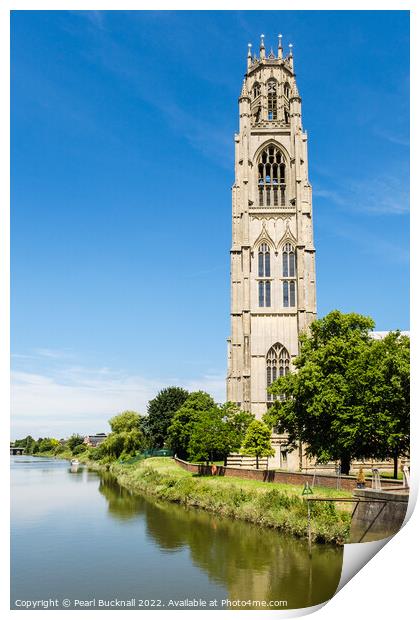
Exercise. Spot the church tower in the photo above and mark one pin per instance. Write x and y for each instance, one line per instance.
(273, 295)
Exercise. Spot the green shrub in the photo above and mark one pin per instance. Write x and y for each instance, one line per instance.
(79, 449)
(94, 454)
(59, 449)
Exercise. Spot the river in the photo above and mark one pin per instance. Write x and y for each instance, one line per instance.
(81, 540)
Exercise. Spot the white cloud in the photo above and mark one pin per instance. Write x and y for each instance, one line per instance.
(374, 196)
(55, 354)
(78, 399)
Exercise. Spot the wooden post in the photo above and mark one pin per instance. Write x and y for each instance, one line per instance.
(309, 528)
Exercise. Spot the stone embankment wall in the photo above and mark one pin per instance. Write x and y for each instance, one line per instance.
(287, 477)
(379, 514)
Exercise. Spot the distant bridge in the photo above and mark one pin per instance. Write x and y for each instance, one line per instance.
(15, 451)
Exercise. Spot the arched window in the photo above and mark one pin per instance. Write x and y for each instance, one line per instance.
(277, 365)
(264, 271)
(271, 178)
(289, 261)
(264, 293)
(263, 261)
(256, 89)
(272, 100)
(289, 276)
(286, 90)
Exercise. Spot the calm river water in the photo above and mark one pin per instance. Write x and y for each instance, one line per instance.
(80, 536)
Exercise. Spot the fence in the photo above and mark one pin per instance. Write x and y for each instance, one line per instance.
(347, 483)
(146, 455)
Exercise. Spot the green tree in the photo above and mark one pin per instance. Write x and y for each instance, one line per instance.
(79, 449)
(257, 440)
(112, 446)
(125, 421)
(74, 440)
(27, 443)
(126, 437)
(381, 383)
(47, 444)
(180, 429)
(160, 412)
(134, 441)
(59, 448)
(209, 439)
(237, 422)
(333, 402)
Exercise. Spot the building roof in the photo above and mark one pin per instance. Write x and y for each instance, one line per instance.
(379, 335)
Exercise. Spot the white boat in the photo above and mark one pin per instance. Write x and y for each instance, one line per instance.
(74, 462)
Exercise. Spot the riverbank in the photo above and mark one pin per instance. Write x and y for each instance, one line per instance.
(266, 504)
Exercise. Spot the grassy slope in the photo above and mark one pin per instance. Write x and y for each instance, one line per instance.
(267, 504)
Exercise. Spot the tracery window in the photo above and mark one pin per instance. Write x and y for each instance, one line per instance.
(289, 261)
(271, 178)
(277, 365)
(264, 271)
(264, 293)
(256, 90)
(263, 261)
(272, 100)
(289, 276)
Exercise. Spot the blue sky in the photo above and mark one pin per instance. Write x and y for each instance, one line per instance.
(122, 161)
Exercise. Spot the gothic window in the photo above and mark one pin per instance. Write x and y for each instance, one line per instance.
(277, 365)
(264, 271)
(256, 90)
(263, 261)
(271, 178)
(289, 276)
(287, 90)
(289, 261)
(264, 293)
(286, 116)
(272, 100)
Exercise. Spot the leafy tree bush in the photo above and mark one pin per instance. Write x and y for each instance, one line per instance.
(237, 422)
(59, 449)
(81, 447)
(257, 441)
(380, 383)
(125, 421)
(208, 439)
(27, 443)
(160, 412)
(126, 437)
(180, 430)
(74, 440)
(113, 445)
(218, 431)
(134, 441)
(94, 454)
(350, 395)
(48, 444)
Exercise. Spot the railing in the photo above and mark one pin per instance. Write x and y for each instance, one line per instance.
(146, 455)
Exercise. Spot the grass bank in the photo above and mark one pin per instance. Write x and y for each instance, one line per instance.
(266, 504)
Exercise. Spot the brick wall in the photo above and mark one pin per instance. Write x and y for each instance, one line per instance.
(268, 475)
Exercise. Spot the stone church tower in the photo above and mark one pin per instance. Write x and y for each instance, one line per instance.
(273, 295)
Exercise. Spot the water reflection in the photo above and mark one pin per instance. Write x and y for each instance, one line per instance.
(250, 562)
